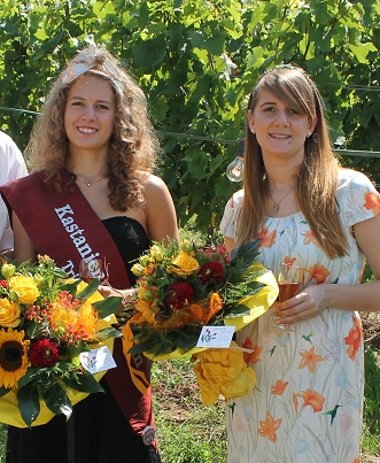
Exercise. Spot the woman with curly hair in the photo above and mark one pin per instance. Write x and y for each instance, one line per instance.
(92, 195)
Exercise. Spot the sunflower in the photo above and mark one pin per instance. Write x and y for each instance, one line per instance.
(13, 357)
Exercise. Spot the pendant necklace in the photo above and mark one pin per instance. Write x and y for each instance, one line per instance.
(86, 182)
(276, 204)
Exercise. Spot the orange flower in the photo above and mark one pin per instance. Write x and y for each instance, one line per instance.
(253, 357)
(312, 398)
(354, 338)
(310, 359)
(279, 387)
(309, 238)
(319, 273)
(269, 426)
(267, 239)
(357, 460)
(216, 304)
(372, 201)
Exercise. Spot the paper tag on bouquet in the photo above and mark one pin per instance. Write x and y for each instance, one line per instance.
(97, 360)
(216, 336)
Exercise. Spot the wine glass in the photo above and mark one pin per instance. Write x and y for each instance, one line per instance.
(290, 281)
(93, 269)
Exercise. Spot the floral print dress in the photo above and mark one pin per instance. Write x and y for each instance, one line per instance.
(307, 404)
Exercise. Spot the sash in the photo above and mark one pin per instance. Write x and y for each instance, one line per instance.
(63, 226)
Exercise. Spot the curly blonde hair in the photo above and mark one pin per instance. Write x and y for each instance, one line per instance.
(318, 176)
(133, 144)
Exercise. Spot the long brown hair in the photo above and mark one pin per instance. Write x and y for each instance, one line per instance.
(133, 144)
(318, 176)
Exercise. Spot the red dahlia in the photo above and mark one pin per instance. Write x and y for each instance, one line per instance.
(44, 352)
(180, 293)
(211, 271)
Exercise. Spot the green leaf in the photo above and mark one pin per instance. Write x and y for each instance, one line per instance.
(245, 254)
(108, 306)
(3, 391)
(238, 311)
(30, 375)
(361, 51)
(84, 382)
(89, 290)
(71, 287)
(57, 401)
(28, 403)
(149, 53)
(108, 333)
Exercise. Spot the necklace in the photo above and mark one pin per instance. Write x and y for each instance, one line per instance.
(86, 182)
(276, 204)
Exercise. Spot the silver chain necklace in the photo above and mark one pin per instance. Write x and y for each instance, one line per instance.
(276, 204)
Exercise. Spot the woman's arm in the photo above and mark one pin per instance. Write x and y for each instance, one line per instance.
(23, 247)
(160, 211)
(229, 243)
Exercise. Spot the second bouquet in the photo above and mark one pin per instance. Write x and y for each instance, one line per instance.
(182, 287)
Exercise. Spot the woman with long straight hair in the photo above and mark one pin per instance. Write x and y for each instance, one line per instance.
(319, 222)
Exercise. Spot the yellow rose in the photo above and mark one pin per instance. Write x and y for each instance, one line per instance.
(184, 264)
(145, 260)
(8, 270)
(9, 314)
(25, 288)
(156, 252)
(187, 247)
(137, 270)
(224, 372)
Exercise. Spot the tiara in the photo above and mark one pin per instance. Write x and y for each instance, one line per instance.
(91, 58)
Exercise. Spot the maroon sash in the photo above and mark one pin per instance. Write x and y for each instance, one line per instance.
(63, 226)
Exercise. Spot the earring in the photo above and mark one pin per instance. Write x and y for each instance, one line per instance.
(309, 134)
(252, 129)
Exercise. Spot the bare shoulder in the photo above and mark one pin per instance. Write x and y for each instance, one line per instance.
(159, 209)
(154, 187)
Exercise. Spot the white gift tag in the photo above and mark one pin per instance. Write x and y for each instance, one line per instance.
(97, 360)
(216, 336)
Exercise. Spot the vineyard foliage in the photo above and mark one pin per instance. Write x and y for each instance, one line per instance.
(197, 61)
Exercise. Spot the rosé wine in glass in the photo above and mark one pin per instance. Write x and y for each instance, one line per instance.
(93, 269)
(288, 290)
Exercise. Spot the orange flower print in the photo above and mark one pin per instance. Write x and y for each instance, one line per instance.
(312, 398)
(310, 359)
(279, 387)
(354, 338)
(267, 239)
(372, 201)
(309, 238)
(269, 426)
(289, 261)
(319, 273)
(252, 357)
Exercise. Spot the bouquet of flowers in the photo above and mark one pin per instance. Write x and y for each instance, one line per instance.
(181, 288)
(46, 322)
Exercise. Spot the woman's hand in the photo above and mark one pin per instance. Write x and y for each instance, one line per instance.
(307, 304)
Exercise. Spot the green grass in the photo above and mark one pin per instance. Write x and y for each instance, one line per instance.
(3, 438)
(188, 432)
(371, 425)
